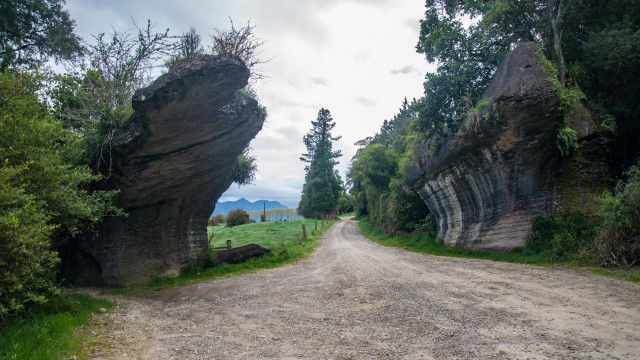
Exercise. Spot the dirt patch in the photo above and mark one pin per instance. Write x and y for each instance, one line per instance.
(354, 299)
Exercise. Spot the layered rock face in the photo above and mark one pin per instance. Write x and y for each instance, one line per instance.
(171, 161)
(485, 185)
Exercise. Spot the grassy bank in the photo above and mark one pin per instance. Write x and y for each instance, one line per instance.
(522, 256)
(283, 238)
(49, 331)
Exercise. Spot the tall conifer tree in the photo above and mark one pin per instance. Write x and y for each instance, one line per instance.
(322, 187)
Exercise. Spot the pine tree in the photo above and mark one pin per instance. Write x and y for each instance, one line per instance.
(322, 187)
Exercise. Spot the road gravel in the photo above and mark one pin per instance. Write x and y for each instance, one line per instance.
(355, 299)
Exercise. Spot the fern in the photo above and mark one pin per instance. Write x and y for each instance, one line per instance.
(567, 140)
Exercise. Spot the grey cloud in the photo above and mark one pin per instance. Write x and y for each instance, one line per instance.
(365, 101)
(319, 81)
(404, 70)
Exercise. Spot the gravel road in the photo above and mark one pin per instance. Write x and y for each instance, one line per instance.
(354, 299)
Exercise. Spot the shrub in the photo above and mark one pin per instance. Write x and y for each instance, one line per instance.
(237, 217)
(216, 220)
(562, 235)
(618, 243)
(40, 194)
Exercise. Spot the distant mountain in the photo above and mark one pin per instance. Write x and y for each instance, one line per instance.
(244, 204)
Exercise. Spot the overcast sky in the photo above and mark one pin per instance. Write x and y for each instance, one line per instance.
(354, 57)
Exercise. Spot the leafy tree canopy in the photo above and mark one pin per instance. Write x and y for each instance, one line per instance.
(33, 31)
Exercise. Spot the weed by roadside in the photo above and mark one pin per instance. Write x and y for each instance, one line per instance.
(48, 331)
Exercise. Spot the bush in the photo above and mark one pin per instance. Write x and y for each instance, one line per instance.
(216, 220)
(562, 235)
(618, 243)
(40, 194)
(237, 217)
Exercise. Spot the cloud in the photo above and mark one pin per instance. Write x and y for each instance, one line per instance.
(366, 102)
(405, 70)
(319, 81)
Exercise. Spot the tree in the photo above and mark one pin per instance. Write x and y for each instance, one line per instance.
(322, 188)
(378, 171)
(237, 217)
(42, 198)
(33, 31)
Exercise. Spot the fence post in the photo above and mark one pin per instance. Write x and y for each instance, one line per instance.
(304, 232)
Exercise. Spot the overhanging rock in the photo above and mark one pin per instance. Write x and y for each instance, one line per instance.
(171, 160)
(485, 185)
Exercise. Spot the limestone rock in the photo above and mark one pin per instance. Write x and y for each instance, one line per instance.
(172, 160)
(485, 185)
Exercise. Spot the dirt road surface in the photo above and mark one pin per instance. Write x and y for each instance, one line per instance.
(354, 299)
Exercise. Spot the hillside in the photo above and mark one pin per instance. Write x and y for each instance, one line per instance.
(224, 207)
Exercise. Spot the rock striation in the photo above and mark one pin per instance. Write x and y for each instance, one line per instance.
(485, 185)
(171, 161)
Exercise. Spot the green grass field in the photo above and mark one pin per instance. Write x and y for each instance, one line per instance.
(49, 331)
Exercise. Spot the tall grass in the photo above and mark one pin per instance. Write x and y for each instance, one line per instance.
(48, 331)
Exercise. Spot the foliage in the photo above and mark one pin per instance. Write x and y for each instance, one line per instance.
(322, 187)
(566, 140)
(219, 219)
(377, 175)
(190, 45)
(428, 244)
(49, 331)
(96, 100)
(216, 220)
(41, 194)
(240, 42)
(562, 235)
(593, 45)
(618, 243)
(237, 217)
(246, 168)
(346, 203)
(33, 31)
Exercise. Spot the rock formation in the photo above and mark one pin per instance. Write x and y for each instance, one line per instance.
(171, 160)
(485, 184)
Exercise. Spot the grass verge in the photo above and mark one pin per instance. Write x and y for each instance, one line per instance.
(283, 238)
(48, 331)
(522, 256)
